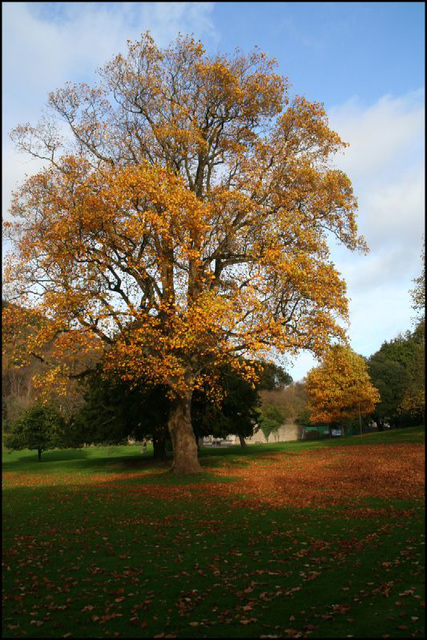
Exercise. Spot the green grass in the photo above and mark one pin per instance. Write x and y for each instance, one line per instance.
(102, 542)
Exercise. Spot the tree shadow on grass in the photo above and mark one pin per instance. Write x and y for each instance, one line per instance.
(79, 460)
(26, 461)
(119, 461)
(82, 462)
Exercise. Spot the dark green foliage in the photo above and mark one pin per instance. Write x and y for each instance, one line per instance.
(237, 413)
(273, 377)
(40, 428)
(414, 399)
(400, 350)
(390, 378)
(114, 411)
(392, 369)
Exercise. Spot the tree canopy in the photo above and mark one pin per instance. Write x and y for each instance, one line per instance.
(270, 419)
(182, 224)
(340, 387)
(41, 427)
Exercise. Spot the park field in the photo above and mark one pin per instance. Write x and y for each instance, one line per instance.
(317, 539)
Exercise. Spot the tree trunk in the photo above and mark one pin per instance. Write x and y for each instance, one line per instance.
(39, 451)
(184, 443)
(242, 441)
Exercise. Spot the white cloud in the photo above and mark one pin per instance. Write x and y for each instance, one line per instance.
(44, 47)
(379, 315)
(385, 162)
(48, 44)
(384, 137)
(15, 168)
(300, 365)
(393, 212)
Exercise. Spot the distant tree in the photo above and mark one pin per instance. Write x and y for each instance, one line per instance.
(291, 400)
(414, 396)
(270, 419)
(272, 384)
(273, 377)
(41, 428)
(390, 377)
(397, 370)
(400, 349)
(413, 400)
(22, 373)
(340, 387)
(18, 392)
(303, 415)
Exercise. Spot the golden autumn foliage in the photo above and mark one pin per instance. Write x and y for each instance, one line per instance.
(340, 387)
(185, 222)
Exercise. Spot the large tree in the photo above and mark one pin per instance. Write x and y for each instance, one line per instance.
(183, 222)
(340, 388)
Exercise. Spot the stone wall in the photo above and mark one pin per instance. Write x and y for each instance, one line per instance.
(286, 433)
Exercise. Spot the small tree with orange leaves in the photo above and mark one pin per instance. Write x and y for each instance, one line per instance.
(340, 388)
(184, 223)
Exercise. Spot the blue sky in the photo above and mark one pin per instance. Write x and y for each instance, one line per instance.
(332, 50)
(363, 60)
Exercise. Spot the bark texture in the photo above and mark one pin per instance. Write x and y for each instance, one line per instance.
(185, 458)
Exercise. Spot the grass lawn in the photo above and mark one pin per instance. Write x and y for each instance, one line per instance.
(321, 539)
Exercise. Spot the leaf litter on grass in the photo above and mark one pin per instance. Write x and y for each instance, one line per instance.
(201, 558)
